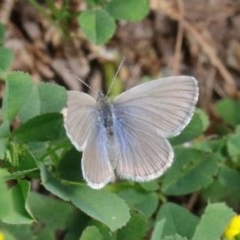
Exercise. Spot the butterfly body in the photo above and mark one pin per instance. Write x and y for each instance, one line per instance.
(106, 124)
(105, 114)
(127, 138)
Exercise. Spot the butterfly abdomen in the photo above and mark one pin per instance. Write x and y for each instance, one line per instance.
(106, 116)
(105, 121)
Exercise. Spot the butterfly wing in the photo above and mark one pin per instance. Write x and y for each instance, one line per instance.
(81, 124)
(144, 116)
(97, 170)
(142, 154)
(166, 104)
(81, 115)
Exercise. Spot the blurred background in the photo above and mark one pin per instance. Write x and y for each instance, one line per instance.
(199, 38)
(60, 41)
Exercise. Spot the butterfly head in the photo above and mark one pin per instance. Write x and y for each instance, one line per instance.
(102, 98)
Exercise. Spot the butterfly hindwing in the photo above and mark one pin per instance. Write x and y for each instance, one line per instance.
(81, 124)
(142, 154)
(96, 166)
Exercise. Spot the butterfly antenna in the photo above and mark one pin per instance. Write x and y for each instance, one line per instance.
(83, 82)
(115, 76)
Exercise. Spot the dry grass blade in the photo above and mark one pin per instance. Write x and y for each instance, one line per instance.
(229, 84)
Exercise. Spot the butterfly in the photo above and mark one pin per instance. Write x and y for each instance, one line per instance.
(127, 138)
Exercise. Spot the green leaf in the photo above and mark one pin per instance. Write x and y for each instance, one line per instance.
(2, 33)
(178, 220)
(24, 165)
(105, 231)
(46, 233)
(213, 145)
(228, 110)
(145, 202)
(27, 161)
(175, 237)
(53, 97)
(213, 222)
(18, 231)
(130, 10)
(233, 145)
(6, 235)
(91, 233)
(76, 225)
(237, 129)
(97, 25)
(22, 160)
(135, 229)
(215, 192)
(71, 170)
(96, 3)
(5, 196)
(18, 211)
(229, 178)
(158, 230)
(195, 128)
(219, 192)
(4, 134)
(41, 128)
(191, 171)
(149, 186)
(51, 213)
(101, 205)
(32, 107)
(104, 206)
(24, 98)
(44, 98)
(6, 58)
(12, 153)
(18, 87)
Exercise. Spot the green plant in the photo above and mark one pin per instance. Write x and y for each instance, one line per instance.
(34, 149)
(98, 20)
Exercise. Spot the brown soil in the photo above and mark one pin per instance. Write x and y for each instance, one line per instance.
(199, 38)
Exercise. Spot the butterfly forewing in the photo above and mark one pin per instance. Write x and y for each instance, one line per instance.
(81, 117)
(166, 104)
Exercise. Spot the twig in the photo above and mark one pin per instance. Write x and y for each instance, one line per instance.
(192, 201)
(229, 83)
(177, 55)
(5, 11)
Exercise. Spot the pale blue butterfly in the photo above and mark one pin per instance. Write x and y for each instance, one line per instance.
(127, 138)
